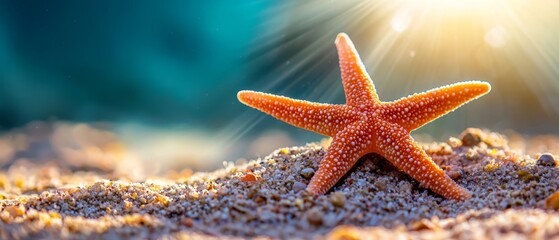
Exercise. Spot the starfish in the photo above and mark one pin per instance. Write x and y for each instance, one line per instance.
(365, 124)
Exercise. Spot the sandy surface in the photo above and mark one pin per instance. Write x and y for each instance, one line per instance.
(513, 197)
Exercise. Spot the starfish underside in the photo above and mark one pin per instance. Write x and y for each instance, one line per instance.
(365, 124)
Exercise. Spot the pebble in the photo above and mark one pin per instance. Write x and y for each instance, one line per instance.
(552, 202)
(454, 142)
(337, 199)
(249, 177)
(187, 222)
(405, 187)
(470, 139)
(15, 211)
(504, 204)
(455, 173)
(307, 173)
(299, 186)
(547, 159)
(315, 217)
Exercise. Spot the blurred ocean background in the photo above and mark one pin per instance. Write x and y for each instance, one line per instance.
(121, 84)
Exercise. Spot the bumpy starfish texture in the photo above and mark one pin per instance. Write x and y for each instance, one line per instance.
(365, 124)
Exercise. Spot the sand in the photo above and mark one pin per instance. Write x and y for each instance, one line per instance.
(513, 197)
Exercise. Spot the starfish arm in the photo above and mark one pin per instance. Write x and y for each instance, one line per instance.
(417, 110)
(346, 148)
(326, 119)
(358, 86)
(397, 146)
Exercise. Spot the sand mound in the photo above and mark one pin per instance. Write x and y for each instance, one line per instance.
(266, 198)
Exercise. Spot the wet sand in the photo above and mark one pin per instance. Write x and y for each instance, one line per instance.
(513, 197)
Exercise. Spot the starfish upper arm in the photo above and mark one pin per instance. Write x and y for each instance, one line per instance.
(346, 148)
(358, 87)
(417, 110)
(326, 119)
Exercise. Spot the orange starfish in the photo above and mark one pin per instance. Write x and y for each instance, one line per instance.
(365, 124)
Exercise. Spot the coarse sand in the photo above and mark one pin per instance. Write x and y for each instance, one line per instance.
(513, 197)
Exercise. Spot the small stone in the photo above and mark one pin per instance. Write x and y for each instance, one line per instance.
(284, 151)
(472, 154)
(276, 196)
(249, 177)
(315, 217)
(299, 203)
(504, 204)
(260, 199)
(405, 187)
(307, 173)
(187, 222)
(337, 199)
(552, 202)
(547, 159)
(15, 211)
(455, 173)
(299, 186)
(454, 142)
(471, 138)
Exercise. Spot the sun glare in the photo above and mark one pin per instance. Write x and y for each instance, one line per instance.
(482, 32)
(428, 16)
(411, 45)
(448, 24)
